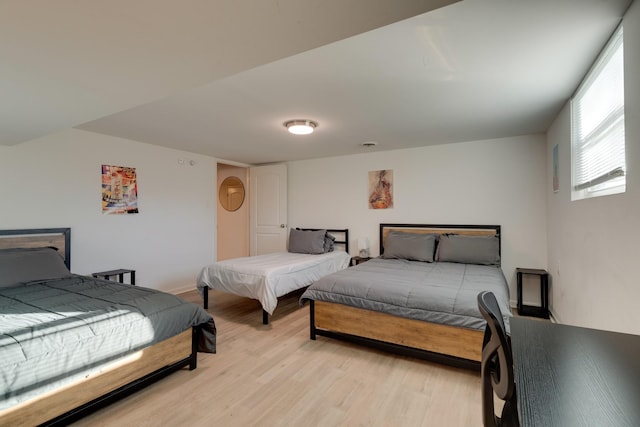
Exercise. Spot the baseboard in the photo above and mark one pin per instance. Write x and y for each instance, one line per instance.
(182, 289)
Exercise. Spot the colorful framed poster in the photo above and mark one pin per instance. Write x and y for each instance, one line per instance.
(381, 189)
(119, 190)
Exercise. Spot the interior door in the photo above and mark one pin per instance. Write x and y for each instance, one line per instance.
(268, 209)
(232, 221)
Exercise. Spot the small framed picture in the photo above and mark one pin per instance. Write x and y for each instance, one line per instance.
(381, 189)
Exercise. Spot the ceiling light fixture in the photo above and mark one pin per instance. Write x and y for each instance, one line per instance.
(300, 127)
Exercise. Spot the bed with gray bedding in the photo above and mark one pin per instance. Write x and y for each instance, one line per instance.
(419, 297)
(439, 292)
(53, 332)
(59, 329)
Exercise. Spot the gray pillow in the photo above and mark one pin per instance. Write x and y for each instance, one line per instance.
(411, 246)
(28, 264)
(483, 250)
(306, 242)
(329, 242)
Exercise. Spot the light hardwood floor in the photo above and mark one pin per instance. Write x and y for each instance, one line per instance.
(274, 375)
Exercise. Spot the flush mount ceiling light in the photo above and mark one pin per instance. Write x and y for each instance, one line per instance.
(300, 127)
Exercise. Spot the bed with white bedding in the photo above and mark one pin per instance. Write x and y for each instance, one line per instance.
(267, 277)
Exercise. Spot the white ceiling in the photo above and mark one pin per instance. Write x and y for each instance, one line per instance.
(221, 77)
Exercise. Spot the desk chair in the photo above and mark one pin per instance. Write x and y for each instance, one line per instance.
(496, 365)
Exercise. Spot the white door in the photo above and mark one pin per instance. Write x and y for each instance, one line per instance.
(268, 209)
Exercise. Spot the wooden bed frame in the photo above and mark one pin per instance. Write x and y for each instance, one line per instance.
(116, 379)
(452, 345)
(265, 315)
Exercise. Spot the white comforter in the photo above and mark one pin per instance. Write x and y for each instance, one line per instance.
(266, 277)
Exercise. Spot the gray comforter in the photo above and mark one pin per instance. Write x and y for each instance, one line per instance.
(55, 332)
(440, 292)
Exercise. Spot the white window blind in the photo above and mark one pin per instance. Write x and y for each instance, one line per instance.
(597, 126)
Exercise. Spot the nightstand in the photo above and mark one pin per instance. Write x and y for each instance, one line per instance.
(355, 260)
(529, 310)
(120, 273)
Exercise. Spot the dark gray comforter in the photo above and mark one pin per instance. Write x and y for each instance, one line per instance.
(54, 332)
(439, 292)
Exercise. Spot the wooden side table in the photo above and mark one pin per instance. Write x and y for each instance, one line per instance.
(531, 310)
(120, 273)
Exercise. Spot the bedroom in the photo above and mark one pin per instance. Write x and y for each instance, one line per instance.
(587, 246)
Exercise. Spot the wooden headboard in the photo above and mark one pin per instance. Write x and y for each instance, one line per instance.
(467, 230)
(59, 238)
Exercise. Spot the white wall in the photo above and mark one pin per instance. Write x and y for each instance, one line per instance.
(54, 181)
(483, 182)
(593, 243)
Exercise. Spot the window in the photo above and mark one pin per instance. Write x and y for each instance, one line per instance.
(597, 126)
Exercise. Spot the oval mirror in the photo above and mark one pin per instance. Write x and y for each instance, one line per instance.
(231, 193)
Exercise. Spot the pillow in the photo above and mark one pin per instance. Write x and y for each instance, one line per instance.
(328, 242)
(411, 246)
(483, 250)
(22, 265)
(306, 241)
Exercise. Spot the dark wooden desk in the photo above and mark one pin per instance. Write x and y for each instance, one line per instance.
(571, 376)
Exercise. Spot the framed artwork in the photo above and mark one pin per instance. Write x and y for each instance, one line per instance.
(119, 190)
(556, 177)
(381, 189)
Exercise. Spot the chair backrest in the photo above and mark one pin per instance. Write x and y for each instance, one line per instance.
(497, 360)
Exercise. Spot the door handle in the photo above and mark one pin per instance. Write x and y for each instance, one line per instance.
(282, 225)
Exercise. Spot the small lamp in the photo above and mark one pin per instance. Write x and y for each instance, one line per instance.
(363, 247)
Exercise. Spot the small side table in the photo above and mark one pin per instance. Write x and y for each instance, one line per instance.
(120, 273)
(355, 260)
(530, 310)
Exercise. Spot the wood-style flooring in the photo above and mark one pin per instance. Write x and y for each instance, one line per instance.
(274, 375)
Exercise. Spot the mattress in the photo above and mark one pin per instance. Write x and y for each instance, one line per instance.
(439, 292)
(267, 277)
(55, 332)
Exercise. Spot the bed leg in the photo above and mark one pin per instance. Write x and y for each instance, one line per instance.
(193, 359)
(205, 295)
(312, 321)
(265, 317)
